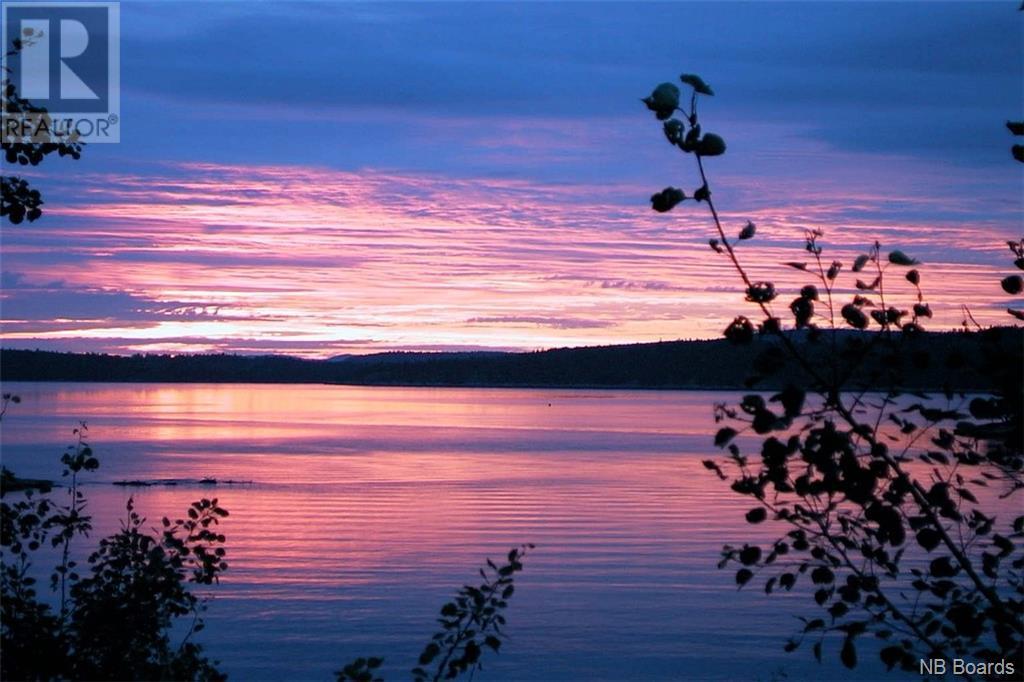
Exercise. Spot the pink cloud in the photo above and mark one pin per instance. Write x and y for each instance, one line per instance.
(309, 258)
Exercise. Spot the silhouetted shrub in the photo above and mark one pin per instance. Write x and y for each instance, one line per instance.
(885, 500)
(18, 200)
(470, 624)
(114, 615)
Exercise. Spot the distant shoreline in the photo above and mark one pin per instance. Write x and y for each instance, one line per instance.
(706, 365)
(505, 386)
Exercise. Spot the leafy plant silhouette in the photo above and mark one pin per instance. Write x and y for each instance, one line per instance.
(471, 622)
(1017, 128)
(886, 495)
(114, 618)
(27, 144)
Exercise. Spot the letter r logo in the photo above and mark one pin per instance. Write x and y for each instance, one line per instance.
(73, 39)
(68, 54)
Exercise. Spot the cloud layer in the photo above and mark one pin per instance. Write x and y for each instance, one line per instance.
(336, 178)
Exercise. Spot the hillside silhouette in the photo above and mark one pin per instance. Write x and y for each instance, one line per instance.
(932, 360)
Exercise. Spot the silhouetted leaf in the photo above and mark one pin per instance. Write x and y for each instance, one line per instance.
(854, 317)
(756, 515)
(429, 653)
(761, 292)
(848, 655)
(697, 83)
(711, 465)
(899, 258)
(666, 199)
(864, 286)
(792, 399)
(743, 576)
(803, 310)
(750, 555)
(891, 656)
(822, 575)
(838, 610)
(928, 538)
(815, 624)
(1012, 284)
(943, 568)
(673, 130)
(711, 145)
(663, 101)
(740, 331)
(724, 436)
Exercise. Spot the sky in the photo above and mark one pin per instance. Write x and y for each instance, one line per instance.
(330, 178)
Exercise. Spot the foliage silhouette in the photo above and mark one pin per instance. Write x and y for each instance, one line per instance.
(114, 619)
(470, 624)
(28, 144)
(1017, 128)
(885, 501)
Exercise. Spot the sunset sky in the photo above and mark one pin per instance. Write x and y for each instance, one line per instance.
(319, 179)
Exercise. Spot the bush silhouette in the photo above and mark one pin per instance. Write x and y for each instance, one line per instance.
(470, 624)
(885, 500)
(18, 200)
(114, 615)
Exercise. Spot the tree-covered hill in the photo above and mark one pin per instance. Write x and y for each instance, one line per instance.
(935, 360)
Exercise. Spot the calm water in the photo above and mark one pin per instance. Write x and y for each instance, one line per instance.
(368, 506)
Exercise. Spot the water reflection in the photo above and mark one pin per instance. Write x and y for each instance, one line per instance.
(369, 506)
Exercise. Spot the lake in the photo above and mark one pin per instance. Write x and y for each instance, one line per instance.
(361, 509)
